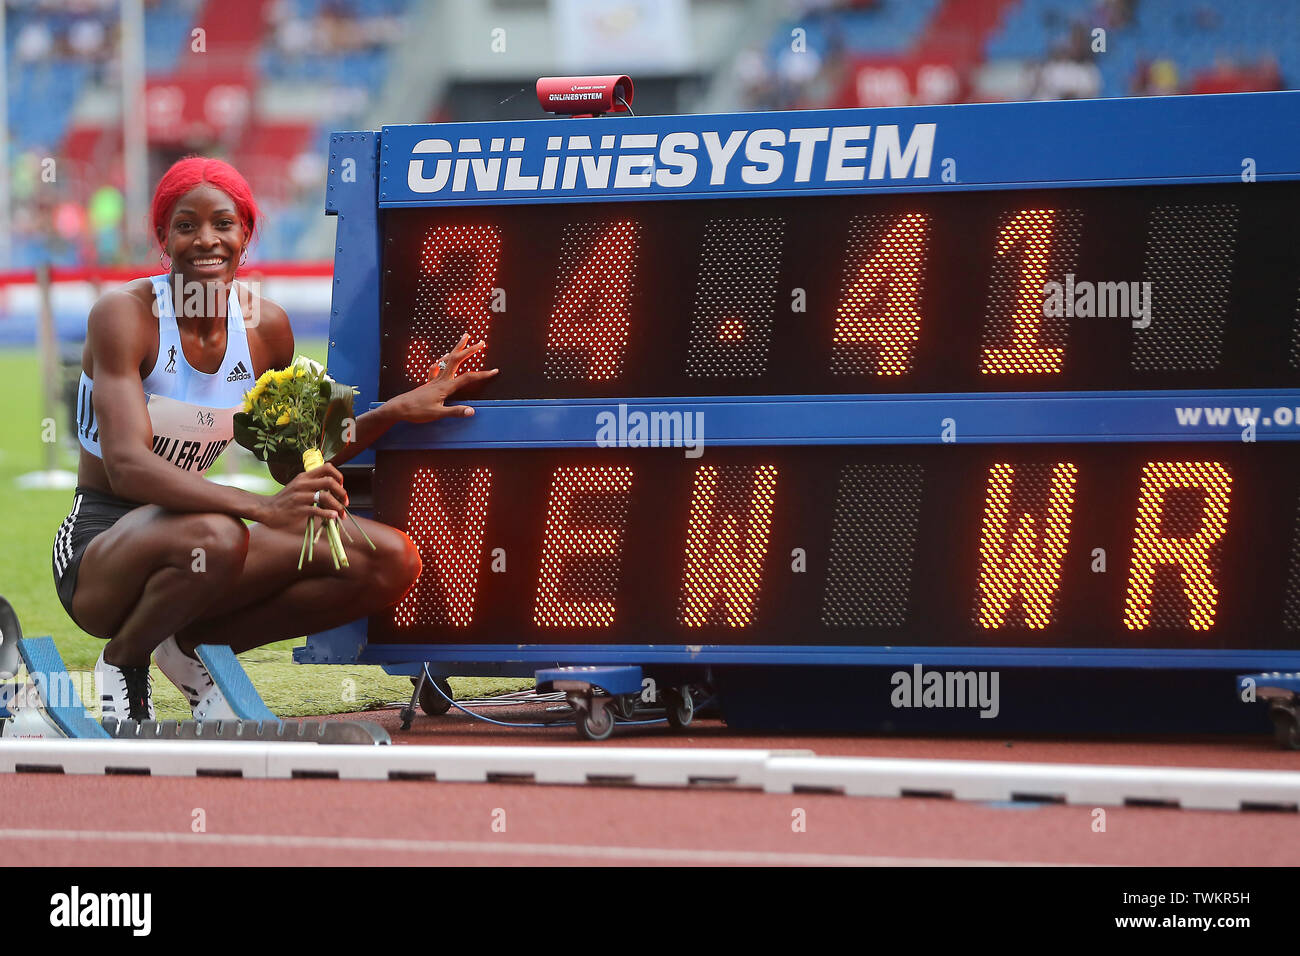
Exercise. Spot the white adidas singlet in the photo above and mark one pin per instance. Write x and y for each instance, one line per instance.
(192, 412)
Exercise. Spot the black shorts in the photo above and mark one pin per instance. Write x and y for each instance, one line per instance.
(93, 512)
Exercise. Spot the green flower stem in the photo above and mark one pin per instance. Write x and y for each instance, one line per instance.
(330, 528)
(354, 521)
(336, 544)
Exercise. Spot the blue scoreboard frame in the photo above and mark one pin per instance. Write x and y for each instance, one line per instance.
(1158, 142)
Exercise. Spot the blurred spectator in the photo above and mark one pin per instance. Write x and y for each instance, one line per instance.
(1069, 74)
(1158, 78)
(307, 171)
(1229, 77)
(1268, 74)
(86, 39)
(757, 81)
(35, 42)
(294, 36)
(335, 27)
(23, 173)
(1224, 77)
(107, 208)
(1067, 78)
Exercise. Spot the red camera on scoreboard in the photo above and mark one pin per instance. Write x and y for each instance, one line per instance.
(585, 95)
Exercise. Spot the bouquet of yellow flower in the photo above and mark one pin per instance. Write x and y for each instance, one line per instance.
(294, 419)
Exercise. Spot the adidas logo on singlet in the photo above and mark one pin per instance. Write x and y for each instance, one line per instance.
(238, 373)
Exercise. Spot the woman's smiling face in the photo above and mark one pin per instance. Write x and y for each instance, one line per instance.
(205, 237)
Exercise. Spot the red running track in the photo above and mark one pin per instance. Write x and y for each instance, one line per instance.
(57, 820)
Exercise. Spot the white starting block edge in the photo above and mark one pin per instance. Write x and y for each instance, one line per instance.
(770, 771)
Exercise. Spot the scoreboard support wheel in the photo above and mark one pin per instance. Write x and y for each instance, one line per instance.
(430, 701)
(679, 706)
(1281, 691)
(433, 703)
(595, 719)
(1286, 725)
(598, 695)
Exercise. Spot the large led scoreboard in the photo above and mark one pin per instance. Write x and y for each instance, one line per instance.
(1011, 386)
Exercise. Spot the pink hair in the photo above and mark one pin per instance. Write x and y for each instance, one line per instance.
(192, 171)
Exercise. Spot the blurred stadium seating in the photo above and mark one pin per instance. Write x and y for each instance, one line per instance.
(274, 77)
(895, 52)
(65, 105)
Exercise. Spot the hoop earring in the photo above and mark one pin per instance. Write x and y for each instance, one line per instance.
(244, 258)
(167, 264)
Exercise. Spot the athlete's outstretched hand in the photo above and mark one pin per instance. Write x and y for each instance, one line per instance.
(295, 504)
(427, 402)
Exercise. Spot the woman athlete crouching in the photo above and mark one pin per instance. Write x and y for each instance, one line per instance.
(163, 372)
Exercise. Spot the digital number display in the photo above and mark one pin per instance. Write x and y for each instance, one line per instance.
(1117, 288)
(1068, 545)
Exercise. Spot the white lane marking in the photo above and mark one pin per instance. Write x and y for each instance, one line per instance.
(661, 854)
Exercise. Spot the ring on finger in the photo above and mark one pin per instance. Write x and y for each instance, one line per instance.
(442, 365)
(316, 497)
